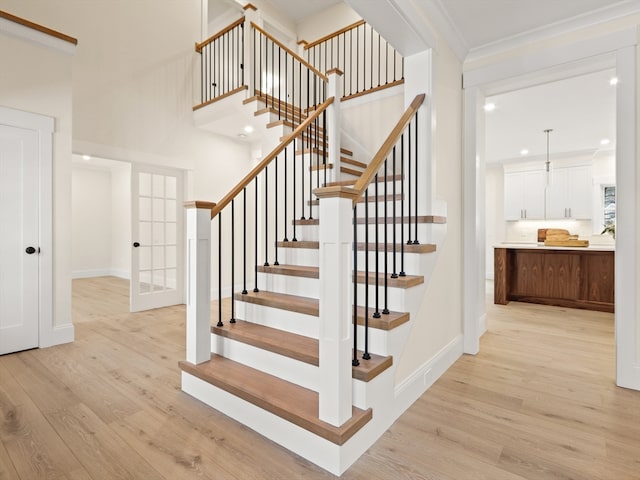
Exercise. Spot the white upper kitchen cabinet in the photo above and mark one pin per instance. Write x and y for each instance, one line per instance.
(524, 195)
(569, 194)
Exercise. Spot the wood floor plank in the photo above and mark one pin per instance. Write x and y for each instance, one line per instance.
(538, 402)
(101, 451)
(34, 447)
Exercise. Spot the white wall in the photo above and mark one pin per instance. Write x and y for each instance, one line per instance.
(101, 219)
(439, 320)
(91, 221)
(326, 22)
(121, 221)
(37, 79)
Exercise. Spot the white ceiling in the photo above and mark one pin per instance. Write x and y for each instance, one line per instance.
(580, 110)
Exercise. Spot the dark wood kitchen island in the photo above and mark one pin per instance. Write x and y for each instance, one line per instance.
(563, 276)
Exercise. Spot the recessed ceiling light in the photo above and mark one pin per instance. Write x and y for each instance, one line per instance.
(248, 129)
(489, 107)
(86, 158)
(613, 81)
(524, 151)
(605, 141)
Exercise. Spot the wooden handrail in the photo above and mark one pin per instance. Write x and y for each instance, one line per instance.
(367, 176)
(204, 43)
(269, 158)
(334, 34)
(39, 28)
(291, 52)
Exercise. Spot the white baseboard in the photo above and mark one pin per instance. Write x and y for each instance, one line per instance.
(409, 390)
(105, 272)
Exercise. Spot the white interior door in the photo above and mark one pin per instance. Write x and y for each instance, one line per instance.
(19, 196)
(157, 263)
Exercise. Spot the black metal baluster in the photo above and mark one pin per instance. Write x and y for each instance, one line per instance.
(386, 62)
(355, 362)
(385, 310)
(409, 242)
(286, 85)
(402, 273)
(275, 204)
(416, 242)
(324, 145)
(273, 78)
(233, 263)
(379, 60)
(294, 239)
(357, 60)
(255, 269)
(242, 50)
(220, 324)
(266, 216)
(366, 355)
(376, 314)
(279, 84)
(302, 217)
(244, 241)
(393, 164)
(350, 61)
(285, 194)
(371, 69)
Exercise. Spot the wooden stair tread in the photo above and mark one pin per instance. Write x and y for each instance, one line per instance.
(430, 219)
(342, 183)
(413, 248)
(295, 346)
(291, 270)
(353, 162)
(419, 248)
(285, 343)
(351, 171)
(406, 281)
(291, 402)
(387, 321)
(282, 301)
(433, 219)
(311, 306)
(379, 198)
(344, 151)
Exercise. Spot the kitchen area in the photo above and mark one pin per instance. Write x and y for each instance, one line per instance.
(550, 193)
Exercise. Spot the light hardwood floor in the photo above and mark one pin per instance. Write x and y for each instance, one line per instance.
(538, 402)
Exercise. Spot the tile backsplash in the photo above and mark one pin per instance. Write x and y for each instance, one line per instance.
(527, 231)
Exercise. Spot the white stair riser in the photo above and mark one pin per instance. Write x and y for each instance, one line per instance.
(299, 256)
(293, 322)
(294, 371)
(395, 297)
(425, 232)
(376, 393)
(384, 342)
(412, 262)
(301, 286)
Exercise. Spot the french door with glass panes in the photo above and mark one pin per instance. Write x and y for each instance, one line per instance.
(157, 264)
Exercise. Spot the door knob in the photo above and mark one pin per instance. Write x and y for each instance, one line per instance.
(30, 250)
(136, 244)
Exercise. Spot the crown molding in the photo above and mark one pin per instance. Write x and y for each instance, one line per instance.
(589, 19)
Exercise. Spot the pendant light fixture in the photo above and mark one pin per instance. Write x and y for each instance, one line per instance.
(547, 163)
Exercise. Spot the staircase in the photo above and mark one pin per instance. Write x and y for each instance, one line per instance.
(334, 255)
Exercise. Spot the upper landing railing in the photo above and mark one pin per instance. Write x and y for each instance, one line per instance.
(245, 56)
(367, 60)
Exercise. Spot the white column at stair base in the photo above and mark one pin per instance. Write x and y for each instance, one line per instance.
(198, 281)
(334, 89)
(336, 266)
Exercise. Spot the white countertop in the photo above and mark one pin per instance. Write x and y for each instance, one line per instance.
(540, 246)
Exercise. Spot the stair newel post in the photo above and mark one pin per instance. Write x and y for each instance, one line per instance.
(199, 281)
(251, 15)
(332, 122)
(336, 302)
